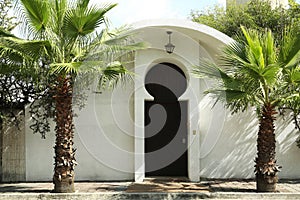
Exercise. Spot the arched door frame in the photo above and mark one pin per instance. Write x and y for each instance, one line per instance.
(190, 95)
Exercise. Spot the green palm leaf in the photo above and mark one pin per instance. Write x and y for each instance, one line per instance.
(65, 68)
(295, 75)
(37, 14)
(82, 21)
(4, 33)
(290, 49)
(270, 74)
(31, 49)
(255, 50)
(113, 74)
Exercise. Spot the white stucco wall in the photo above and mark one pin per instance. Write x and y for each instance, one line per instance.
(231, 152)
(39, 153)
(105, 130)
(103, 139)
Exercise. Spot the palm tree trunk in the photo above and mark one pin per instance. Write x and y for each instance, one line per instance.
(266, 168)
(63, 177)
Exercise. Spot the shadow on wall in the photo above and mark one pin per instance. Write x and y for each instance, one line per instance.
(288, 154)
(234, 153)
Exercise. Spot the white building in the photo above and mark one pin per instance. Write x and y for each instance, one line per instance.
(192, 139)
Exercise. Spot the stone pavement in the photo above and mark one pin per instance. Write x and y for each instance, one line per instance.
(153, 188)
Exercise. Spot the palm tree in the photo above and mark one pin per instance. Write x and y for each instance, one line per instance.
(73, 46)
(257, 73)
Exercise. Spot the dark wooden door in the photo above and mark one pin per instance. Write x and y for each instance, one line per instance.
(166, 123)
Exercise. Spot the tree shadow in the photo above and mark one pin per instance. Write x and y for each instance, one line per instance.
(289, 181)
(22, 189)
(239, 186)
(111, 188)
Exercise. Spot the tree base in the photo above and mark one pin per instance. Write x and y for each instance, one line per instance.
(66, 185)
(266, 183)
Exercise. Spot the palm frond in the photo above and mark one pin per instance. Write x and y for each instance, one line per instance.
(254, 50)
(269, 49)
(58, 10)
(257, 58)
(5, 33)
(234, 54)
(235, 100)
(117, 40)
(270, 74)
(38, 14)
(235, 59)
(31, 49)
(226, 95)
(290, 49)
(114, 45)
(65, 68)
(114, 73)
(232, 89)
(83, 4)
(208, 69)
(248, 73)
(295, 75)
(82, 21)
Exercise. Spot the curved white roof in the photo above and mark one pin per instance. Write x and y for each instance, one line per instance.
(209, 38)
(184, 24)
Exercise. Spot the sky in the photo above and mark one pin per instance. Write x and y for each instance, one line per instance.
(129, 11)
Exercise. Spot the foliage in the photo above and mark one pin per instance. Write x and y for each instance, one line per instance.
(7, 23)
(17, 82)
(256, 14)
(256, 71)
(25, 77)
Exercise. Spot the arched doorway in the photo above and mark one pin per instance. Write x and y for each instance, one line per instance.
(166, 122)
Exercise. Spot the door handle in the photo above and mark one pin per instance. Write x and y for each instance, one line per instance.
(183, 140)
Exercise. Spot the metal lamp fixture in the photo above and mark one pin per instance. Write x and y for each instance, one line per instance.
(169, 47)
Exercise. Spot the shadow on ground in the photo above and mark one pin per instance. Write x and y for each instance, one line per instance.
(23, 189)
(155, 185)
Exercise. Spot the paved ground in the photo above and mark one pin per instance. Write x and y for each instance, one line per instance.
(154, 185)
(287, 189)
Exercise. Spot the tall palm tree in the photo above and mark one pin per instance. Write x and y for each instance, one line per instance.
(258, 73)
(73, 46)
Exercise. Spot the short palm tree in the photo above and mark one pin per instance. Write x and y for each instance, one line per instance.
(258, 73)
(73, 45)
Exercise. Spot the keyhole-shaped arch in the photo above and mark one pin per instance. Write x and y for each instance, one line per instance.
(165, 82)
